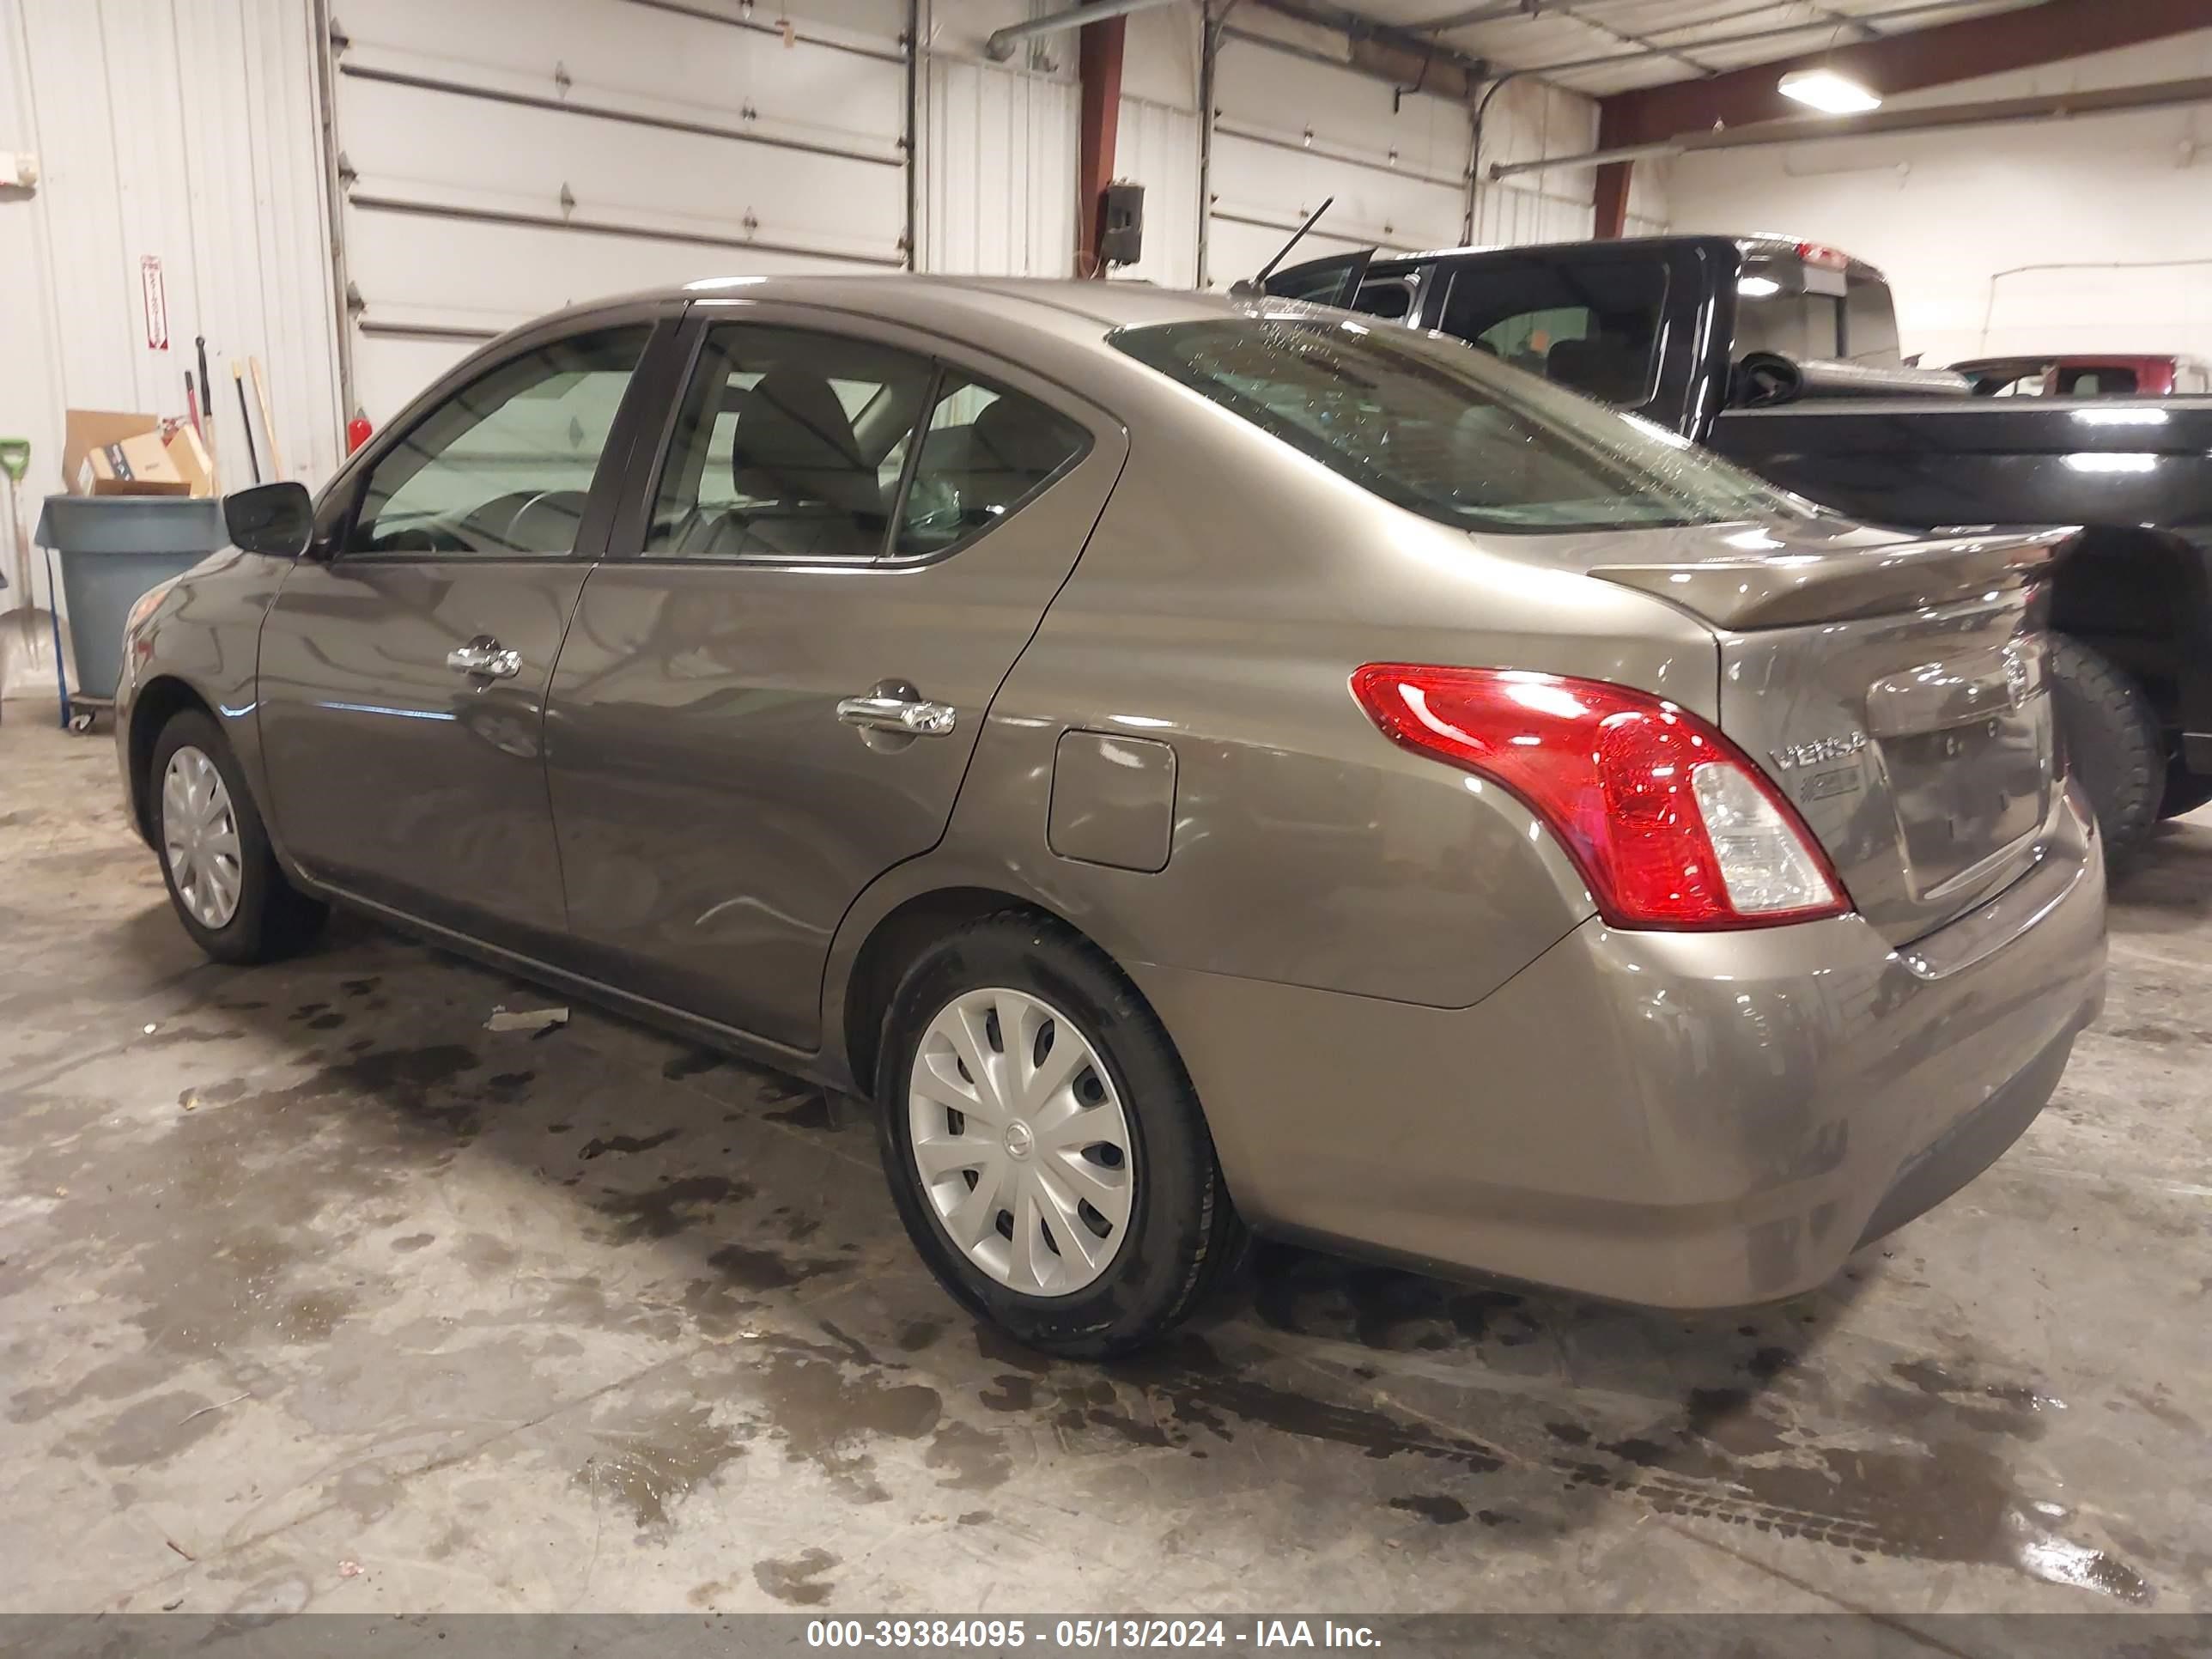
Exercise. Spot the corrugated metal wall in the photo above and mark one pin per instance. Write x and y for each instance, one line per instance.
(1527, 121)
(998, 169)
(1157, 146)
(1648, 212)
(187, 134)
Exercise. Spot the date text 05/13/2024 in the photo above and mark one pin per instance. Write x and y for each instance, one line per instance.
(1082, 1634)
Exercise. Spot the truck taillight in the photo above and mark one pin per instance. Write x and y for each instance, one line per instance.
(1670, 824)
(1825, 258)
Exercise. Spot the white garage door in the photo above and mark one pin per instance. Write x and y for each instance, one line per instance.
(1290, 132)
(502, 158)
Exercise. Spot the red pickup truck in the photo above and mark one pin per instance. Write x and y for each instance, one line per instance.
(2107, 375)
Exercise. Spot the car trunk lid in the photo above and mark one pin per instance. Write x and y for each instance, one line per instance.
(1897, 694)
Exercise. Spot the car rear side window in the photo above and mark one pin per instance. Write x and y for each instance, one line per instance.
(790, 444)
(1446, 431)
(986, 451)
(503, 468)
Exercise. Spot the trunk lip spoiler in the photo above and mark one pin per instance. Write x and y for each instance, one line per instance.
(1790, 590)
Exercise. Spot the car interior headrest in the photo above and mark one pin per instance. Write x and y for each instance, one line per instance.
(1601, 367)
(1006, 439)
(794, 440)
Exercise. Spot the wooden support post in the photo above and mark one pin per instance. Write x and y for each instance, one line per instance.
(1098, 67)
(1612, 178)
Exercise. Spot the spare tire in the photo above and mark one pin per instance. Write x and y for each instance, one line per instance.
(2114, 746)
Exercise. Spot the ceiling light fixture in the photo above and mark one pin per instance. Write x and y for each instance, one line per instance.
(1828, 92)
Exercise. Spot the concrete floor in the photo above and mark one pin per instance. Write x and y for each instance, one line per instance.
(314, 1292)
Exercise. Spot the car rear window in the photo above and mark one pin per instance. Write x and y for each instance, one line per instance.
(2101, 380)
(1810, 313)
(1445, 430)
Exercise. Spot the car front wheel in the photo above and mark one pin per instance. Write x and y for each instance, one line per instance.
(1045, 1148)
(221, 872)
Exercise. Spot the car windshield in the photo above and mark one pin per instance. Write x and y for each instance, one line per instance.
(1445, 430)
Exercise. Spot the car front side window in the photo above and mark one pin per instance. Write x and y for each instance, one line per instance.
(503, 469)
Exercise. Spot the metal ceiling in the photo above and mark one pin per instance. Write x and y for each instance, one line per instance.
(1603, 46)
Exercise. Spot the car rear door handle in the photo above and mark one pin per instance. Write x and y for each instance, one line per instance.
(909, 716)
(486, 656)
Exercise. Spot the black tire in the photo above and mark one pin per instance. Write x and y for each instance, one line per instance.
(2113, 744)
(1182, 1236)
(2185, 791)
(273, 919)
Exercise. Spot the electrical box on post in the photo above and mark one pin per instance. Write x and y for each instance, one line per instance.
(1121, 223)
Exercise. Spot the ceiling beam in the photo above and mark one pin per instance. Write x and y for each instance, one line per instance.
(2022, 38)
(1628, 38)
(1745, 37)
(1913, 118)
(1866, 30)
(1389, 49)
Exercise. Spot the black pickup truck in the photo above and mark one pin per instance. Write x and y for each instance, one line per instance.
(1783, 357)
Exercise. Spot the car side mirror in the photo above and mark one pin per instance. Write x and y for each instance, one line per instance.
(275, 518)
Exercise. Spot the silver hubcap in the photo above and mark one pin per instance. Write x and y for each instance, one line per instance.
(199, 836)
(1021, 1142)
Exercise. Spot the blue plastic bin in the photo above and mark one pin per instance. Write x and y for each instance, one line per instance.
(112, 549)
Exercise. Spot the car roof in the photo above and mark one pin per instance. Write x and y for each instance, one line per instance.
(1014, 318)
(1084, 309)
(1765, 244)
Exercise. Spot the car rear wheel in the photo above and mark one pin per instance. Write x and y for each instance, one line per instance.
(1046, 1150)
(2113, 744)
(222, 874)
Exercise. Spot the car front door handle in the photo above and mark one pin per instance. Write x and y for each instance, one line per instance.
(486, 656)
(908, 716)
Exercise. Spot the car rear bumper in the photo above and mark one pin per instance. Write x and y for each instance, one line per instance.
(1681, 1119)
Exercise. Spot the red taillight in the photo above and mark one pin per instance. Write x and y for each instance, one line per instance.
(1669, 821)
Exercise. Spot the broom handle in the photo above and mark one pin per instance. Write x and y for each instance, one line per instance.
(246, 420)
(268, 420)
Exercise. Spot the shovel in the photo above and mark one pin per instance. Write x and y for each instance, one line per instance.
(25, 632)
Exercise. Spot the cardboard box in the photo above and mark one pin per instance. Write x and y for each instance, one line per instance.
(112, 452)
(131, 466)
(88, 429)
(190, 457)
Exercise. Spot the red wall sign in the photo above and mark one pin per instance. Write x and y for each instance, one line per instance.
(157, 303)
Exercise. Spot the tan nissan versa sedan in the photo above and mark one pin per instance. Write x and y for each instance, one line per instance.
(1199, 764)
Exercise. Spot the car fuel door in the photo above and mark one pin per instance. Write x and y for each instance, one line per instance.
(772, 698)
